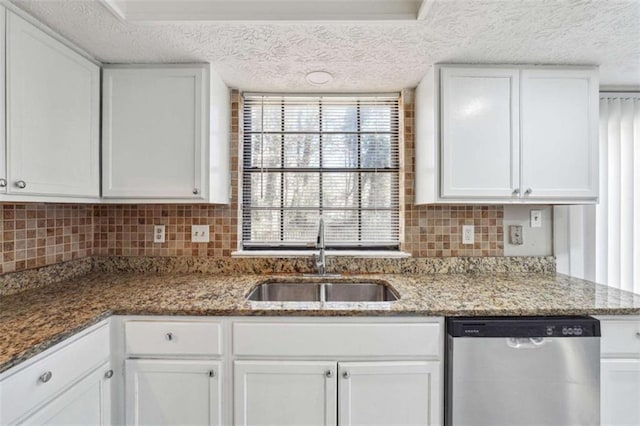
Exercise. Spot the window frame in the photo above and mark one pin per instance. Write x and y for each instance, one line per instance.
(245, 170)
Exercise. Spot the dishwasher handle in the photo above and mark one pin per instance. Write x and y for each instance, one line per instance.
(526, 342)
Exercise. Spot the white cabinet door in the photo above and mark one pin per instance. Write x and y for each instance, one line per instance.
(285, 393)
(3, 160)
(480, 132)
(52, 115)
(620, 392)
(154, 132)
(173, 392)
(390, 393)
(87, 403)
(559, 113)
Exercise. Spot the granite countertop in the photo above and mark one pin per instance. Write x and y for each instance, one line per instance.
(34, 320)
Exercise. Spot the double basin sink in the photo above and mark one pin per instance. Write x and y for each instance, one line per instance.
(325, 290)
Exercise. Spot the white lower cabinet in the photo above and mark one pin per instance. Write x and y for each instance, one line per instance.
(173, 392)
(68, 384)
(326, 393)
(86, 403)
(620, 371)
(620, 392)
(285, 393)
(389, 393)
(346, 372)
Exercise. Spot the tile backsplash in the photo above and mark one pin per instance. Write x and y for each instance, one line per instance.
(127, 230)
(39, 234)
(35, 235)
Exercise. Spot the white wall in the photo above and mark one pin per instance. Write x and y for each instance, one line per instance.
(536, 241)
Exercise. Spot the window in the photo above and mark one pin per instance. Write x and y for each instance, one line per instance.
(329, 156)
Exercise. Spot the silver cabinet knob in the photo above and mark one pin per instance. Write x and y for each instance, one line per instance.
(108, 374)
(528, 191)
(346, 374)
(21, 184)
(3, 183)
(46, 376)
(638, 334)
(516, 191)
(212, 373)
(196, 191)
(169, 336)
(328, 374)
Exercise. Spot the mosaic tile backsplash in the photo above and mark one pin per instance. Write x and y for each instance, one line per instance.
(35, 235)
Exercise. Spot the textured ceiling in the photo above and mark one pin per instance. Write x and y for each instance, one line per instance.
(368, 56)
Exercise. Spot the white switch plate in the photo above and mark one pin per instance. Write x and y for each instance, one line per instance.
(536, 218)
(515, 235)
(200, 233)
(468, 234)
(159, 233)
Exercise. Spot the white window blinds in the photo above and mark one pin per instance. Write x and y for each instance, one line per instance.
(617, 239)
(325, 155)
(602, 243)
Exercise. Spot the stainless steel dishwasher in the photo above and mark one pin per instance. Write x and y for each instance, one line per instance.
(517, 371)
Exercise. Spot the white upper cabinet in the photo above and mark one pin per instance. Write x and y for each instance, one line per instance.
(52, 100)
(156, 132)
(507, 134)
(480, 147)
(559, 111)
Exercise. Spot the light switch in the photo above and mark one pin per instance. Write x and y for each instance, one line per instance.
(536, 218)
(200, 233)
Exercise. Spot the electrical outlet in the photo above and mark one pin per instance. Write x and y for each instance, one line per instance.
(536, 218)
(200, 233)
(159, 233)
(468, 234)
(515, 235)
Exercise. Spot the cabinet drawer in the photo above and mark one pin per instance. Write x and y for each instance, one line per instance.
(353, 339)
(620, 338)
(173, 338)
(37, 383)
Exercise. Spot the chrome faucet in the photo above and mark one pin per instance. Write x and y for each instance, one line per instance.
(320, 259)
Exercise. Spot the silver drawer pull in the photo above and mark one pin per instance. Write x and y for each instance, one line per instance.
(3, 183)
(528, 191)
(516, 191)
(21, 184)
(169, 336)
(45, 377)
(212, 373)
(328, 374)
(346, 375)
(108, 374)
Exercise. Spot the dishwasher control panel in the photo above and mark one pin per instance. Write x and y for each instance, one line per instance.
(524, 327)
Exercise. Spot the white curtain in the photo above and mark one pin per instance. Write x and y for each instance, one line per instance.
(602, 242)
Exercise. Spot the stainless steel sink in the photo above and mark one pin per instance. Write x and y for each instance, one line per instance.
(285, 292)
(330, 291)
(359, 292)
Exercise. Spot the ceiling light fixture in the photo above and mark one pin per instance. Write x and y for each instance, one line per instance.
(319, 77)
